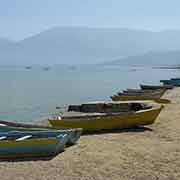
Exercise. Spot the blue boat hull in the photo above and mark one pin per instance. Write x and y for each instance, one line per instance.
(38, 147)
(173, 82)
(73, 134)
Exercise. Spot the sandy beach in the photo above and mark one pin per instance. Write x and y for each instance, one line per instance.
(151, 153)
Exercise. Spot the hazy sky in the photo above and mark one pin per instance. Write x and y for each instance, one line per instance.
(22, 18)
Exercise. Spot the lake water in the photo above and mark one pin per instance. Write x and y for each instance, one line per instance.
(29, 95)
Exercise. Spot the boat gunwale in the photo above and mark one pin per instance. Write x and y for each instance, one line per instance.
(153, 108)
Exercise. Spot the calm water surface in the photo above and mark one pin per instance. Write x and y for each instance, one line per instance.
(29, 95)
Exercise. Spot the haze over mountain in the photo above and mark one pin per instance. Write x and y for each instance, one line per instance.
(78, 45)
(169, 58)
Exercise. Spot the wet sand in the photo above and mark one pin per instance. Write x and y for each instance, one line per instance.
(151, 153)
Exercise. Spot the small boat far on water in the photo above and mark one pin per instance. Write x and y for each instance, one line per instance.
(28, 67)
(46, 68)
(108, 115)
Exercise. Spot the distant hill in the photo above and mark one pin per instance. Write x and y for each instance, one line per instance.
(87, 45)
(150, 59)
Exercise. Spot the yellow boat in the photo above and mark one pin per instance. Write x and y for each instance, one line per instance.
(108, 115)
(144, 91)
(139, 92)
(139, 97)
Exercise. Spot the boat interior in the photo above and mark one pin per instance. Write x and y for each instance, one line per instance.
(25, 135)
(89, 110)
(15, 138)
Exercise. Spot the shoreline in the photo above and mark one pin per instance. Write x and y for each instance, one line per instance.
(143, 153)
(167, 67)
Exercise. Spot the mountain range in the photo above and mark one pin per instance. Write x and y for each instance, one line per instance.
(81, 45)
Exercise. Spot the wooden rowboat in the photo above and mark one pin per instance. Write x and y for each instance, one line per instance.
(156, 94)
(140, 91)
(73, 134)
(175, 79)
(175, 82)
(24, 126)
(155, 87)
(108, 115)
(139, 97)
(23, 145)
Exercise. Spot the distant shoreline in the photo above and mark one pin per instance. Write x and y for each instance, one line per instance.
(167, 67)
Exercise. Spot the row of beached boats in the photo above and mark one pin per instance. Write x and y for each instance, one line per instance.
(145, 93)
(129, 108)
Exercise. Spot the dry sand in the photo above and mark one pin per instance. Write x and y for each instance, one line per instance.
(139, 154)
